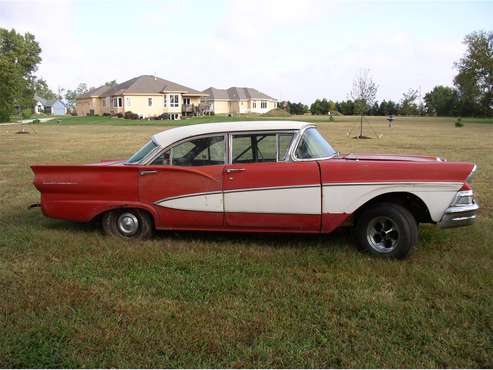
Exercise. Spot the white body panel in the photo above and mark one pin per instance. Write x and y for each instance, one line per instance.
(312, 199)
(347, 198)
(296, 200)
(206, 202)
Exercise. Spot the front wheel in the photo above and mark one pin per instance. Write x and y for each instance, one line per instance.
(128, 224)
(387, 230)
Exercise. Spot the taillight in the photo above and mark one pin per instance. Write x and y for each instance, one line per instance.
(463, 198)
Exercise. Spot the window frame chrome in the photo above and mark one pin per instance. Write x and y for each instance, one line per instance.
(149, 160)
(228, 140)
(260, 132)
(293, 156)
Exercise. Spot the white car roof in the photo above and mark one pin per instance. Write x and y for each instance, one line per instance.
(168, 137)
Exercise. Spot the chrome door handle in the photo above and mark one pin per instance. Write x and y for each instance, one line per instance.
(229, 170)
(148, 172)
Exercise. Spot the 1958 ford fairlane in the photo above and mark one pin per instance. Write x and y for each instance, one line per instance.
(267, 176)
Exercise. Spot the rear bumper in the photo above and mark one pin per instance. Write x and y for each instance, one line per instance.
(459, 216)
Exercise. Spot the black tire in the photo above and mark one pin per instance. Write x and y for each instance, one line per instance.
(139, 224)
(387, 230)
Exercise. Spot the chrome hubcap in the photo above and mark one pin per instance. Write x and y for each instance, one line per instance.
(128, 224)
(383, 234)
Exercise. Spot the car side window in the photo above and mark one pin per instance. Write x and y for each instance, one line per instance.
(283, 144)
(261, 147)
(197, 152)
(254, 148)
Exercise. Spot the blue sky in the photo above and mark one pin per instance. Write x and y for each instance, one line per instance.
(296, 50)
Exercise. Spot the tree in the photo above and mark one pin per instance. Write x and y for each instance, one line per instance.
(70, 95)
(111, 83)
(474, 81)
(41, 89)
(442, 101)
(408, 103)
(294, 108)
(346, 107)
(387, 107)
(19, 58)
(363, 93)
(315, 108)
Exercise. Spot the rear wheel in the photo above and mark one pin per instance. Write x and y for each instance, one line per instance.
(387, 230)
(128, 224)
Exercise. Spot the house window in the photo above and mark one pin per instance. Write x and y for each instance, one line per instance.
(128, 103)
(263, 104)
(117, 102)
(149, 102)
(164, 101)
(254, 104)
(173, 100)
(186, 101)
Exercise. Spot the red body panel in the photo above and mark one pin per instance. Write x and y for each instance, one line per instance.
(342, 170)
(79, 193)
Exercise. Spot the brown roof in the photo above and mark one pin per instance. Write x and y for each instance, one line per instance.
(236, 93)
(144, 84)
(96, 91)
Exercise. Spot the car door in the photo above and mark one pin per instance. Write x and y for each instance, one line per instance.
(262, 191)
(184, 184)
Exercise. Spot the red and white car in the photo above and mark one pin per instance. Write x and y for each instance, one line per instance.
(266, 176)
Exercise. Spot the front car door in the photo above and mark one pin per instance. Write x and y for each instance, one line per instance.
(263, 191)
(184, 184)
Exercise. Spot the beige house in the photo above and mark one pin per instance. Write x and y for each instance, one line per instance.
(147, 96)
(238, 100)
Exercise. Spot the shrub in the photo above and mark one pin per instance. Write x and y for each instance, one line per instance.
(106, 114)
(119, 115)
(131, 115)
(36, 121)
(73, 113)
(459, 123)
(163, 116)
(26, 113)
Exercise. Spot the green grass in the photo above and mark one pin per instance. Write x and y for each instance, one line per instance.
(113, 121)
(70, 297)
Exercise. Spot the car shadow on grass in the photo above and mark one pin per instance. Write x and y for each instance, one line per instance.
(341, 238)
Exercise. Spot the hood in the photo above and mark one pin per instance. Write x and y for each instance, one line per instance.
(392, 157)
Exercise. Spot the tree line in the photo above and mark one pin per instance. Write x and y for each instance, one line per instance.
(470, 95)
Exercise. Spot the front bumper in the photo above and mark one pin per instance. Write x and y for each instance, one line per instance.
(456, 216)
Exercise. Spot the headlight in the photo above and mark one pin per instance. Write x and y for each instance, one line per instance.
(471, 175)
(464, 198)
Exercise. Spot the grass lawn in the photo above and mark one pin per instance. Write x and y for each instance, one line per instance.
(70, 297)
(98, 120)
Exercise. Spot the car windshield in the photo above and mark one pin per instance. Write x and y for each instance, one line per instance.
(142, 152)
(312, 146)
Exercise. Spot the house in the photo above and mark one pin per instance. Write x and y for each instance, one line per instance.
(148, 96)
(237, 100)
(55, 106)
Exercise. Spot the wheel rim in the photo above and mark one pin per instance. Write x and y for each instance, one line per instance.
(383, 234)
(128, 224)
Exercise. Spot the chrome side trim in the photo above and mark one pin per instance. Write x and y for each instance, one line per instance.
(273, 188)
(237, 191)
(408, 183)
(188, 196)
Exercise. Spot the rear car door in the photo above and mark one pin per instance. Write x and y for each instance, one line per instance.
(262, 191)
(184, 184)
